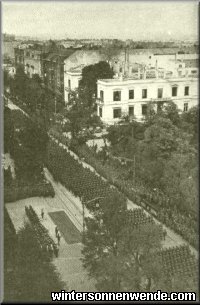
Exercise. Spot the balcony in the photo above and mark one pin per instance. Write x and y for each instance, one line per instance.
(162, 99)
(99, 101)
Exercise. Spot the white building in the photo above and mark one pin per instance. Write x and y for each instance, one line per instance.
(120, 97)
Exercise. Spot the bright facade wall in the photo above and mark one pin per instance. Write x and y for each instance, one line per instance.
(107, 105)
(71, 82)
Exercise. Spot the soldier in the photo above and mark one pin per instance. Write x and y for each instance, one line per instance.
(51, 250)
(42, 213)
(164, 234)
(56, 230)
(58, 237)
(56, 250)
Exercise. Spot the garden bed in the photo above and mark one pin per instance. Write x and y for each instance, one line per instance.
(15, 193)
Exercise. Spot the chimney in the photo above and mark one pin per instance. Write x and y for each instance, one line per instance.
(128, 61)
(125, 62)
(144, 73)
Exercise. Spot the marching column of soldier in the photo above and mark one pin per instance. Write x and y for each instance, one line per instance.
(51, 249)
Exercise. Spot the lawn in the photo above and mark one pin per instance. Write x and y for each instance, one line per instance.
(66, 227)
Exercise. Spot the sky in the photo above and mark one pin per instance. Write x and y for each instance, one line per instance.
(157, 20)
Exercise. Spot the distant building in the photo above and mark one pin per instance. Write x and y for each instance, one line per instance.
(8, 37)
(30, 57)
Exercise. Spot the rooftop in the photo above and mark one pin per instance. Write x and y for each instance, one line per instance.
(127, 80)
(77, 69)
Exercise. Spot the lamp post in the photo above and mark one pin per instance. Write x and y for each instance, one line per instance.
(83, 204)
(55, 104)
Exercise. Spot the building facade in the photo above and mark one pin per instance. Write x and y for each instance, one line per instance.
(122, 97)
(53, 71)
(33, 61)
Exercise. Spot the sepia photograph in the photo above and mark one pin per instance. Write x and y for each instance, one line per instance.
(100, 143)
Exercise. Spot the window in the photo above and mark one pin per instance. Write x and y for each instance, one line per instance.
(160, 92)
(144, 93)
(120, 69)
(186, 90)
(185, 107)
(131, 111)
(131, 94)
(116, 113)
(101, 95)
(100, 112)
(117, 96)
(174, 91)
(69, 83)
(144, 109)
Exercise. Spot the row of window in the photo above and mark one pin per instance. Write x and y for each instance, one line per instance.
(117, 112)
(117, 94)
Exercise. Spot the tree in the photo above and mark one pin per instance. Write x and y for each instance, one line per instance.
(88, 83)
(139, 246)
(167, 110)
(124, 137)
(19, 84)
(8, 131)
(81, 106)
(101, 240)
(34, 94)
(80, 114)
(6, 79)
(30, 151)
(180, 182)
(77, 113)
(171, 112)
(116, 251)
(189, 123)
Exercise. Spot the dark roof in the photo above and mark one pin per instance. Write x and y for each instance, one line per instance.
(63, 54)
